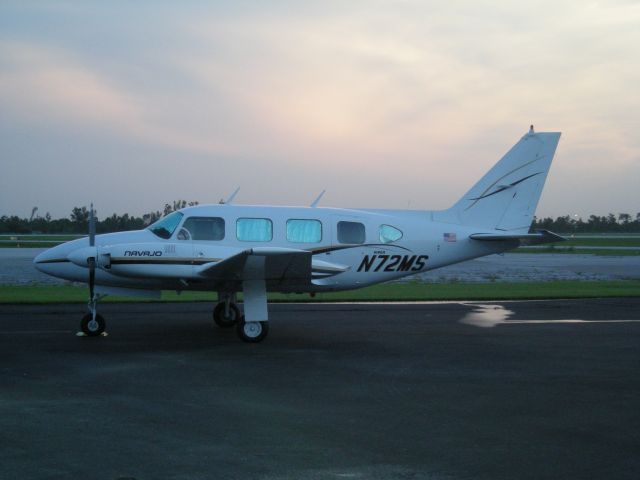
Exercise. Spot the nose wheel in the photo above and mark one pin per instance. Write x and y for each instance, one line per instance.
(92, 327)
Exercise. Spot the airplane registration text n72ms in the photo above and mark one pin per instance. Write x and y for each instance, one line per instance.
(229, 248)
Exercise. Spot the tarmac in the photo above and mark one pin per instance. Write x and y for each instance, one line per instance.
(493, 390)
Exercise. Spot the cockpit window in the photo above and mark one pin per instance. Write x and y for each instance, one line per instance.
(165, 227)
(389, 234)
(203, 228)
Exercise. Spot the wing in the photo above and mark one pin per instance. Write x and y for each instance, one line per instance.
(261, 263)
(281, 267)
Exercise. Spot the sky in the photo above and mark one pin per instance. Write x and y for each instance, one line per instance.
(385, 104)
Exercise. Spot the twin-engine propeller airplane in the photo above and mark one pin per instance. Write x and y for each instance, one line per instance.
(230, 248)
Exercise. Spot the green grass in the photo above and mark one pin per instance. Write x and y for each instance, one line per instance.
(601, 242)
(581, 251)
(386, 292)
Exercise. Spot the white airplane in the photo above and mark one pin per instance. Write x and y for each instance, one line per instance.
(230, 248)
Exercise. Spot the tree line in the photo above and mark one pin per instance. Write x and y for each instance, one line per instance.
(78, 222)
(623, 223)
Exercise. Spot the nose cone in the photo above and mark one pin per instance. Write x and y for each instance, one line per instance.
(55, 261)
(48, 260)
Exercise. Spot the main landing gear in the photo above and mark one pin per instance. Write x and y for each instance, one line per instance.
(252, 332)
(226, 314)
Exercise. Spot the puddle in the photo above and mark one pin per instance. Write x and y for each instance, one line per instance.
(491, 315)
(487, 316)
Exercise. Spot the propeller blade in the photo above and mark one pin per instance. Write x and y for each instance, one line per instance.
(92, 260)
(92, 227)
(92, 277)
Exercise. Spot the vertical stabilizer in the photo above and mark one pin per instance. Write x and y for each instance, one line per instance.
(507, 196)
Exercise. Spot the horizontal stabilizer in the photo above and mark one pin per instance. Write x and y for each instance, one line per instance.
(537, 238)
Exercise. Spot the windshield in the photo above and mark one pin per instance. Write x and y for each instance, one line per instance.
(165, 227)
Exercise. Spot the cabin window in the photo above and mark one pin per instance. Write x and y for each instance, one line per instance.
(351, 232)
(389, 234)
(254, 229)
(165, 227)
(203, 228)
(304, 231)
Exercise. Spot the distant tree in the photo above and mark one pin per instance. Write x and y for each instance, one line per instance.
(177, 205)
(149, 218)
(79, 215)
(77, 222)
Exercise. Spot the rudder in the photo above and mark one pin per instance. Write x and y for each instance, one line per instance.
(506, 197)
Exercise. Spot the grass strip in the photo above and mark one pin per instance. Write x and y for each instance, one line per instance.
(601, 242)
(414, 291)
(578, 250)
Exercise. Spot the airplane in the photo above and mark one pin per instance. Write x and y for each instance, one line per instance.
(228, 248)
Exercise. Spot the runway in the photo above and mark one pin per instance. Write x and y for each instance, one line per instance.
(488, 390)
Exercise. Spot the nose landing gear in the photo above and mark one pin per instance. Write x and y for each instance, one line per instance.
(93, 324)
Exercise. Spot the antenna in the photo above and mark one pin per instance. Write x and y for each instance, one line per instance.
(231, 197)
(317, 200)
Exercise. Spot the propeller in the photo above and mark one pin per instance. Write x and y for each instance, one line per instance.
(92, 260)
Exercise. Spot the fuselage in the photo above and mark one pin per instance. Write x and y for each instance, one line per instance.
(349, 248)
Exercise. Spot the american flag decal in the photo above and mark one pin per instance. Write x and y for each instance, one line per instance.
(450, 237)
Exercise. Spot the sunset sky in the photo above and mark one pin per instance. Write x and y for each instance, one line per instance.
(389, 104)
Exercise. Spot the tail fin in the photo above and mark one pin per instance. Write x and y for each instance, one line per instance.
(507, 196)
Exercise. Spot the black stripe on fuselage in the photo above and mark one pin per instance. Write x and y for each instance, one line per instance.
(155, 261)
(357, 245)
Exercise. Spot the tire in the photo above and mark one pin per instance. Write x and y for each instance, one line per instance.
(221, 320)
(252, 332)
(90, 328)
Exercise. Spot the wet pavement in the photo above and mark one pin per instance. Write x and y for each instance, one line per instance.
(488, 390)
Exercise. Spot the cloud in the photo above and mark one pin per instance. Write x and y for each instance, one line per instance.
(44, 85)
(433, 92)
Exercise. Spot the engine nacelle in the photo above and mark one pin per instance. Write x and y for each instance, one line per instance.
(154, 260)
(83, 256)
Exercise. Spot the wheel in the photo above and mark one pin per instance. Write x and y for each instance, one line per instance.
(226, 321)
(90, 327)
(252, 332)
